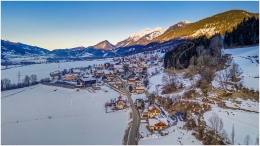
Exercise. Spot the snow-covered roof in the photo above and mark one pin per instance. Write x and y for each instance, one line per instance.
(120, 70)
(69, 75)
(165, 132)
(87, 79)
(143, 121)
(152, 106)
(145, 110)
(153, 122)
(99, 71)
(76, 71)
(106, 71)
(139, 88)
(118, 66)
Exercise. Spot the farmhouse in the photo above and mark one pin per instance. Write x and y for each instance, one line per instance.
(120, 103)
(145, 113)
(139, 90)
(118, 84)
(69, 77)
(138, 83)
(153, 110)
(157, 124)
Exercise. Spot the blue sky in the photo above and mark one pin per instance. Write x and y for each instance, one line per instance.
(54, 25)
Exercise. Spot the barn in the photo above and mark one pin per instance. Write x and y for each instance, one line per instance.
(87, 81)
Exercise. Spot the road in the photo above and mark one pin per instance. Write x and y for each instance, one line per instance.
(135, 115)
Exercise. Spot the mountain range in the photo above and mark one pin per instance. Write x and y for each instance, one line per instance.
(146, 38)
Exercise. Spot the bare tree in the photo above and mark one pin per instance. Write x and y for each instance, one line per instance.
(207, 74)
(232, 136)
(6, 83)
(193, 60)
(216, 123)
(33, 79)
(235, 72)
(26, 80)
(192, 69)
(170, 83)
(222, 77)
(247, 140)
(2, 84)
(257, 140)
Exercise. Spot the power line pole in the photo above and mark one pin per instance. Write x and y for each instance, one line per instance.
(19, 75)
(6, 65)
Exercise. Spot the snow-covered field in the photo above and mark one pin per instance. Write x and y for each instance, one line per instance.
(250, 70)
(176, 136)
(44, 70)
(245, 104)
(245, 123)
(76, 117)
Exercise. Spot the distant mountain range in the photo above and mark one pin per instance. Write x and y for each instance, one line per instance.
(144, 39)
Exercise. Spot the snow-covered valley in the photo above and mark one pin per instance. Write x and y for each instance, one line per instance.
(50, 115)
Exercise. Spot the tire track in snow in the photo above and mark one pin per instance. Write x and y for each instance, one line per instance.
(50, 118)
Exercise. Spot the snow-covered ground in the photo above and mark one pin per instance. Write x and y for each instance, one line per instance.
(250, 70)
(77, 117)
(245, 104)
(44, 70)
(176, 136)
(138, 96)
(245, 123)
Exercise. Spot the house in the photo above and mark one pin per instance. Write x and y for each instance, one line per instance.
(86, 81)
(138, 83)
(164, 132)
(120, 103)
(111, 75)
(104, 78)
(101, 66)
(118, 84)
(99, 73)
(129, 75)
(138, 103)
(138, 69)
(145, 113)
(111, 83)
(131, 81)
(120, 71)
(75, 71)
(69, 77)
(158, 124)
(55, 74)
(139, 90)
(153, 110)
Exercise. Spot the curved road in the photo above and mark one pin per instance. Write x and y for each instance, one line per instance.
(132, 136)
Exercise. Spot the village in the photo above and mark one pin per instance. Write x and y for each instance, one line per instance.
(131, 72)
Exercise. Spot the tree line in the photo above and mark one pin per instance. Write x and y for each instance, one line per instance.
(6, 83)
(246, 33)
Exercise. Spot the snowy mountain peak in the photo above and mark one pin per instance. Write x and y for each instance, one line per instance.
(141, 37)
(186, 21)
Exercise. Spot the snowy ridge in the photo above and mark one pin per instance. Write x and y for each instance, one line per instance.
(145, 35)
